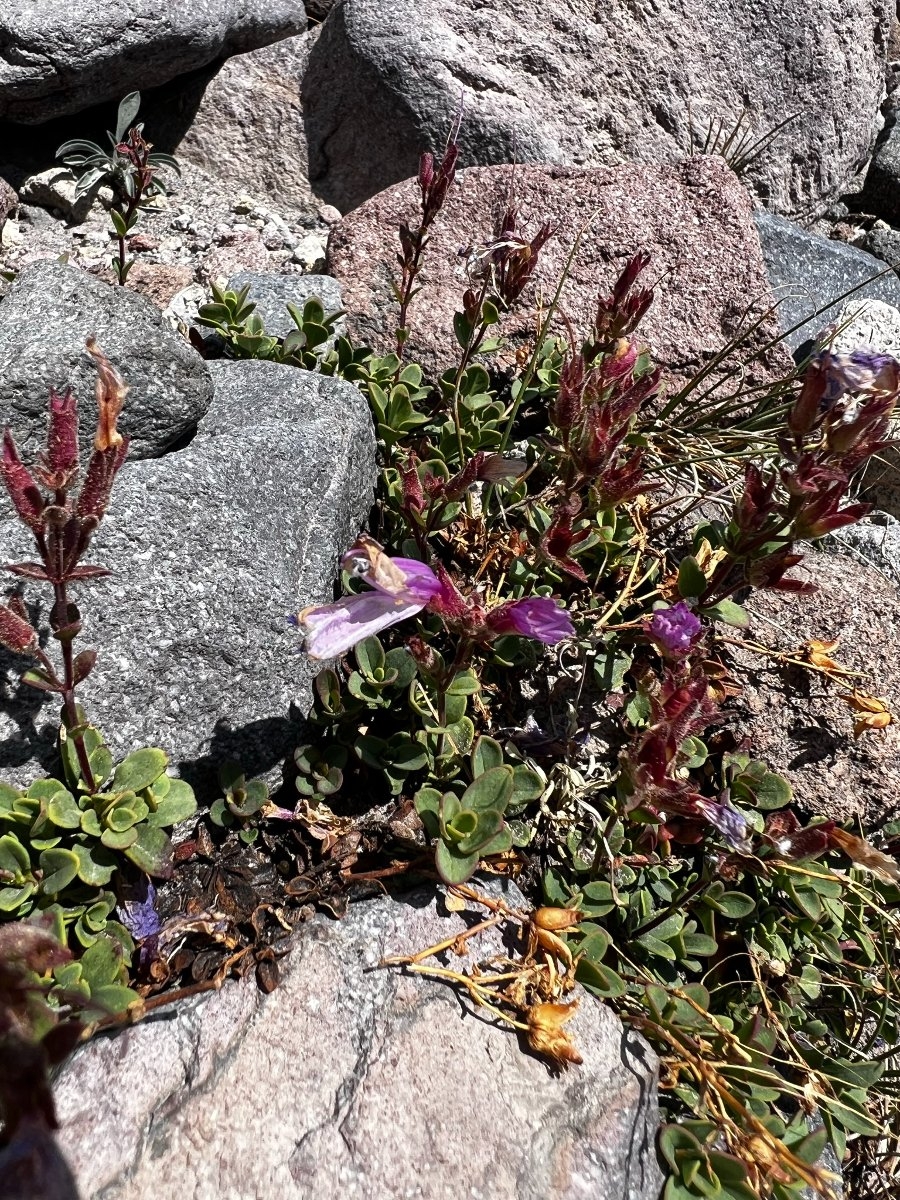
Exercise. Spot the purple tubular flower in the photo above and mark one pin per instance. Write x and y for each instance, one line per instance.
(138, 914)
(675, 629)
(860, 370)
(538, 617)
(332, 629)
(729, 822)
(402, 586)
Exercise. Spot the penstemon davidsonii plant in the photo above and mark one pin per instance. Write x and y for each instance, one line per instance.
(62, 522)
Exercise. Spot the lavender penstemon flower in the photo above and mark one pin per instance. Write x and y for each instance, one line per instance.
(402, 587)
(675, 630)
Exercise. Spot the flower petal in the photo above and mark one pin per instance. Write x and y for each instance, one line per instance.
(332, 629)
(538, 617)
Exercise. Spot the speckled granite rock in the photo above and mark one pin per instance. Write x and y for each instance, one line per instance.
(350, 1083)
(695, 219)
(273, 293)
(586, 84)
(50, 310)
(212, 546)
(808, 273)
(796, 719)
(62, 58)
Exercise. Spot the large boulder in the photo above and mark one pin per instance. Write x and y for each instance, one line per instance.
(695, 219)
(348, 1083)
(62, 58)
(212, 547)
(50, 310)
(591, 84)
(246, 122)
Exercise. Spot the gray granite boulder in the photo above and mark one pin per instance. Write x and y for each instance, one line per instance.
(48, 313)
(350, 1083)
(246, 122)
(273, 293)
(810, 273)
(212, 547)
(585, 84)
(61, 58)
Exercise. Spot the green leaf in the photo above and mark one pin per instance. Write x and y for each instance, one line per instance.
(596, 944)
(728, 613)
(128, 110)
(428, 806)
(177, 805)
(674, 1141)
(464, 683)
(638, 709)
(95, 865)
(401, 663)
(452, 866)
(63, 811)
(527, 785)
(460, 735)
(112, 998)
(152, 852)
(14, 898)
(733, 904)
(370, 656)
(119, 841)
(13, 856)
(60, 867)
(39, 679)
(603, 981)
(492, 790)
(125, 813)
(118, 222)
(597, 898)
(139, 770)
(486, 754)
(691, 580)
(90, 823)
(488, 825)
(772, 791)
(462, 328)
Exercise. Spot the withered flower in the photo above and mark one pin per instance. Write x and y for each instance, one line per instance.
(111, 392)
(546, 1034)
(865, 855)
(872, 713)
(555, 919)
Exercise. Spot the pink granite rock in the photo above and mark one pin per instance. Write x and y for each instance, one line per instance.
(695, 219)
(350, 1082)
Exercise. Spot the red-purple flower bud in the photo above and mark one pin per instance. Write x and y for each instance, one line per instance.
(99, 478)
(802, 416)
(23, 490)
(413, 495)
(426, 173)
(16, 633)
(60, 461)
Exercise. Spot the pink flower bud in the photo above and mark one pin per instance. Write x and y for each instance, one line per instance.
(60, 461)
(538, 617)
(16, 633)
(23, 490)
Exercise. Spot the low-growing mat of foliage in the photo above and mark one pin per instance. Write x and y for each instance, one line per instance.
(530, 676)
